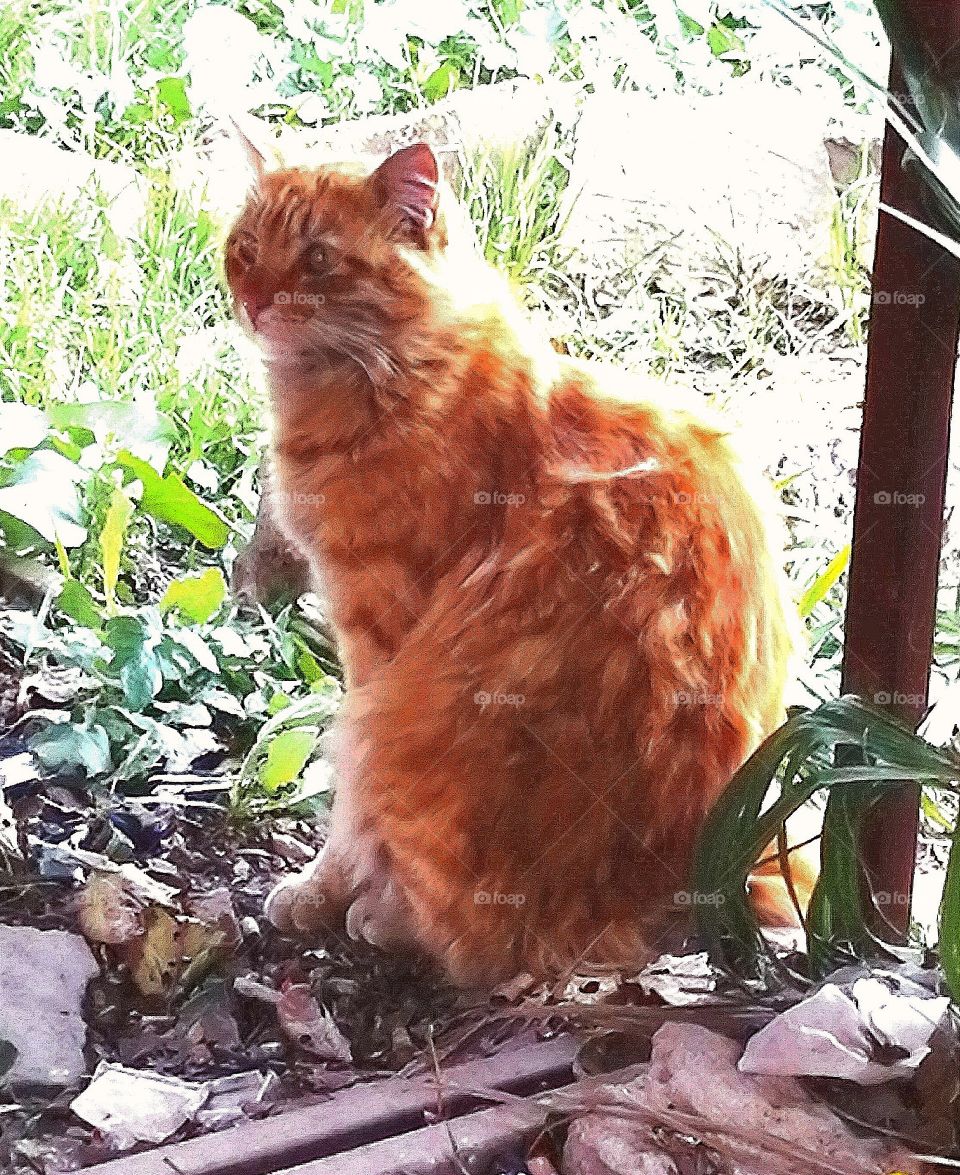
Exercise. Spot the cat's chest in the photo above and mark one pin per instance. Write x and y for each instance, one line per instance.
(358, 516)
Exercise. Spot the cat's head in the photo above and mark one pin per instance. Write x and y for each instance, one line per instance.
(334, 263)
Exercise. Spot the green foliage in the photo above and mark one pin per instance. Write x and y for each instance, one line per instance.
(119, 511)
(287, 756)
(856, 753)
(817, 592)
(170, 500)
(269, 776)
(196, 597)
(519, 202)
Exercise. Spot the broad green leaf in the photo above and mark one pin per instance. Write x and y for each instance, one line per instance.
(112, 537)
(172, 93)
(818, 590)
(141, 681)
(444, 78)
(287, 756)
(138, 427)
(126, 637)
(198, 597)
(278, 702)
(169, 500)
(161, 56)
(76, 602)
(21, 426)
(137, 113)
(68, 746)
(508, 11)
(691, 28)
(137, 666)
(949, 944)
(724, 40)
(43, 494)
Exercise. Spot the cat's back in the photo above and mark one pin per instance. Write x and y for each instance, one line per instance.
(607, 424)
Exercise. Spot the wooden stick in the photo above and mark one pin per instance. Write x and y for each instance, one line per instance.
(354, 1117)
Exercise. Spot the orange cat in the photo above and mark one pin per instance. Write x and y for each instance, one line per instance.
(559, 609)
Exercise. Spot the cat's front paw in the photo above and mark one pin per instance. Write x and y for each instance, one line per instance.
(381, 916)
(306, 903)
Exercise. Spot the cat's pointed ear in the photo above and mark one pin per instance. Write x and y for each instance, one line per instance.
(406, 184)
(256, 160)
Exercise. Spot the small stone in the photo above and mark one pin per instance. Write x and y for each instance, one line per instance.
(43, 978)
(249, 927)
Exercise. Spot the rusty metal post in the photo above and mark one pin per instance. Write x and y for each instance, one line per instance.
(898, 518)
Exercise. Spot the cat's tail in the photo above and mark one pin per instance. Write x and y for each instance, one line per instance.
(775, 901)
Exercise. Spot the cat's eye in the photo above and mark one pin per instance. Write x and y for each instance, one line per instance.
(245, 249)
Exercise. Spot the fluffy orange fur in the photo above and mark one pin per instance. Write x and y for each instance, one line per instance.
(559, 605)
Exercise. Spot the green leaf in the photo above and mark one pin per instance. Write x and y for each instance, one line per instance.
(67, 745)
(310, 62)
(278, 702)
(722, 39)
(138, 427)
(198, 597)
(172, 93)
(169, 500)
(813, 751)
(286, 757)
(43, 494)
(933, 813)
(950, 921)
(136, 666)
(444, 78)
(112, 536)
(691, 28)
(76, 602)
(160, 56)
(819, 589)
(137, 113)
